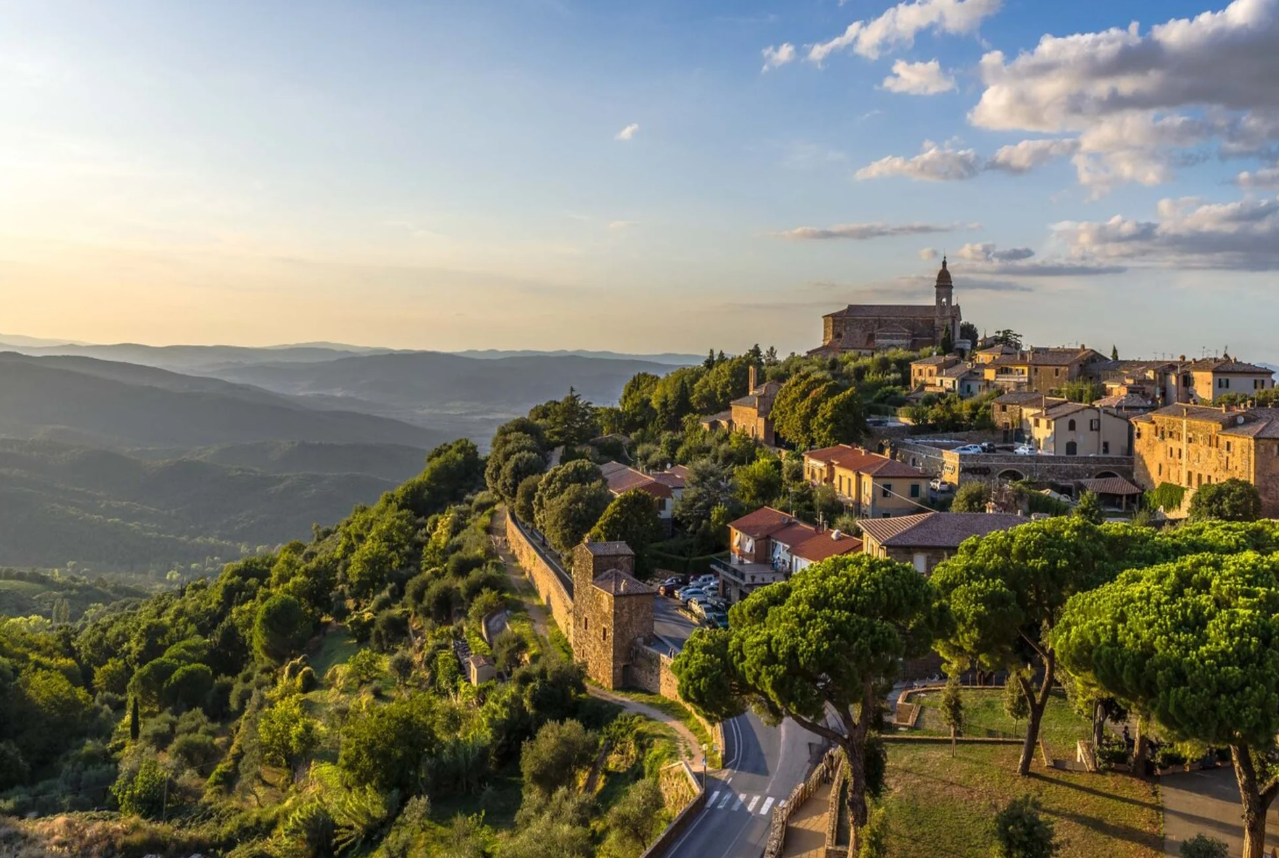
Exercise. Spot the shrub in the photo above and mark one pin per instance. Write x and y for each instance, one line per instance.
(142, 791)
(553, 757)
(1020, 832)
(1203, 846)
(196, 750)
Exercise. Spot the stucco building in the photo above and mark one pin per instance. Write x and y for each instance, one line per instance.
(665, 487)
(867, 328)
(1196, 445)
(1076, 429)
(769, 545)
(929, 538)
(873, 485)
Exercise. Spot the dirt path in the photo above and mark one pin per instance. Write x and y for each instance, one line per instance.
(692, 747)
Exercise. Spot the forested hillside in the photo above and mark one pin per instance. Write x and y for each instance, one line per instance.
(110, 512)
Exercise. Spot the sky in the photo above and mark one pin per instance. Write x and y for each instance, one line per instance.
(662, 175)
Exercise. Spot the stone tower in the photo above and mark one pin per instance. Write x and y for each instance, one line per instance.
(947, 313)
(611, 609)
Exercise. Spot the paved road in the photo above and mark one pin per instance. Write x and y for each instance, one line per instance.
(1207, 802)
(762, 765)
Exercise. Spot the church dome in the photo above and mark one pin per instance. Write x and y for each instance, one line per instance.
(943, 276)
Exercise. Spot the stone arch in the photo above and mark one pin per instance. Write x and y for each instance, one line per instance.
(1011, 475)
(1106, 475)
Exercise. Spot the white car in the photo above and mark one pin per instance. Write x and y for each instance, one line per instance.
(1025, 450)
(968, 448)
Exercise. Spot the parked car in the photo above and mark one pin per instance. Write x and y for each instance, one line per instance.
(968, 448)
(717, 619)
(709, 582)
(669, 586)
(698, 606)
(987, 447)
(940, 486)
(686, 594)
(715, 603)
(1025, 450)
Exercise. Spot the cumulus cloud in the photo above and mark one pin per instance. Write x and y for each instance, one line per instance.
(1266, 177)
(918, 78)
(934, 163)
(778, 56)
(1028, 154)
(987, 258)
(864, 231)
(628, 132)
(1188, 233)
(898, 26)
(928, 254)
(1144, 104)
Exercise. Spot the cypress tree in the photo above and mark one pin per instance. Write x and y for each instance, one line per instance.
(135, 725)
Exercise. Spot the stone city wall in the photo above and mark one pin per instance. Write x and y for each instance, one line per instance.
(546, 580)
(650, 670)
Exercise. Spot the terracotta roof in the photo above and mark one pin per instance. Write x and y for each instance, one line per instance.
(671, 479)
(721, 417)
(613, 468)
(479, 661)
(864, 311)
(935, 360)
(959, 370)
(609, 549)
(760, 397)
(625, 479)
(762, 522)
(1025, 396)
(1065, 409)
(936, 529)
(793, 534)
(678, 470)
(1227, 365)
(1263, 423)
(837, 455)
(1110, 486)
(1124, 400)
(1059, 357)
(620, 583)
(885, 467)
(820, 546)
(1200, 413)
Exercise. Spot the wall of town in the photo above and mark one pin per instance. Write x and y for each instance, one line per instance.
(995, 467)
(550, 588)
(650, 670)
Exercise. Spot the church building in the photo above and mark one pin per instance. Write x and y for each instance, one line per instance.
(864, 329)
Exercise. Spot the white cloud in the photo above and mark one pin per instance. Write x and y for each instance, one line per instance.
(1028, 154)
(934, 163)
(898, 26)
(987, 258)
(628, 132)
(1241, 235)
(622, 224)
(778, 56)
(1266, 177)
(918, 78)
(864, 231)
(986, 252)
(928, 254)
(1126, 94)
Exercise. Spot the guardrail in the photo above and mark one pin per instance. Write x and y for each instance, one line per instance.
(681, 821)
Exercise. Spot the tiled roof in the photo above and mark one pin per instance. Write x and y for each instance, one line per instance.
(620, 583)
(1065, 409)
(625, 479)
(936, 529)
(820, 546)
(1224, 365)
(1200, 413)
(678, 470)
(1110, 486)
(670, 479)
(613, 468)
(793, 534)
(1026, 397)
(1263, 423)
(959, 370)
(1057, 357)
(609, 549)
(935, 360)
(864, 311)
(721, 417)
(884, 467)
(1124, 400)
(762, 522)
(830, 454)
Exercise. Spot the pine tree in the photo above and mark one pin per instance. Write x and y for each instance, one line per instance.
(952, 710)
(1114, 352)
(135, 720)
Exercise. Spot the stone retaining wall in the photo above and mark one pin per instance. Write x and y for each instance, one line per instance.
(682, 820)
(781, 815)
(537, 566)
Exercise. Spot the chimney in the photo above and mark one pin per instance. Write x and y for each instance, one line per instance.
(750, 379)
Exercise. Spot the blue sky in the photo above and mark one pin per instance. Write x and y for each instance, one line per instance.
(454, 175)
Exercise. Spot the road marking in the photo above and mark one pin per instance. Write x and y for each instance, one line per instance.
(767, 804)
(741, 799)
(750, 808)
(714, 796)
(724, 801)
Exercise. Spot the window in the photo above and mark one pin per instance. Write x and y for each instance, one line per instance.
(604, 634)
(1105, 448)
(1161, 469)
(914, 490)
(1056, 372)
(887, 490)
(1070, 426)
(1095, 425)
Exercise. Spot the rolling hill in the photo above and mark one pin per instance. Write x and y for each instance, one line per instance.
(109, 511)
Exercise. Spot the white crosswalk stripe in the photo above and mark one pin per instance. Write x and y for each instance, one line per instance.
(741, 799)
(724, 802)
(750, 808)
(711, 800)
(768, 802)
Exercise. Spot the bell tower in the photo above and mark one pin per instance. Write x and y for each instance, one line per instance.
(945, 303)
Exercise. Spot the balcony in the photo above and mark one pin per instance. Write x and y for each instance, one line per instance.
(746, 576)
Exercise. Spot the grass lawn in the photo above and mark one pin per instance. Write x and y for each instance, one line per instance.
(940, 807)
(336, 647)
(984, 716)
(681, 713)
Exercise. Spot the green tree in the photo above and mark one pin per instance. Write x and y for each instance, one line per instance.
(189, 686)
(524, 497)
(1020, 832)
(508, 648)
(280, 628)
(568, 421)
(1114, 352)
(797, 405)
(637, 817)
(568, 517)
(557, 480)
(556, 755)
(707, 486)
(721, 384)
(141, 791)
(1016, 706)
(631, 518)
(1008, 337)
(952, 709)
(286, 732)
(1229, 500)
(1194, 643)
(1006, 591)
(135, 720)
(826, 641)
(637, 401)
(759, 483)
(1203, 846)
(1089, 508)
(386, 548)
(970, 497)
(968, 331)
(840, 419)
(384, 746)
(518, 468)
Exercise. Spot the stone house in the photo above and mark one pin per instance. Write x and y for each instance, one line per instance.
(1076, 429)
(612, 609)
(1007, 410)
(752, 414)
(769, 545)
(480, 669)
(993, 353)
(925, 371)
(665, 487)
(1205, 381)
(927, 539)
(873, 485)
(1196, 445)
